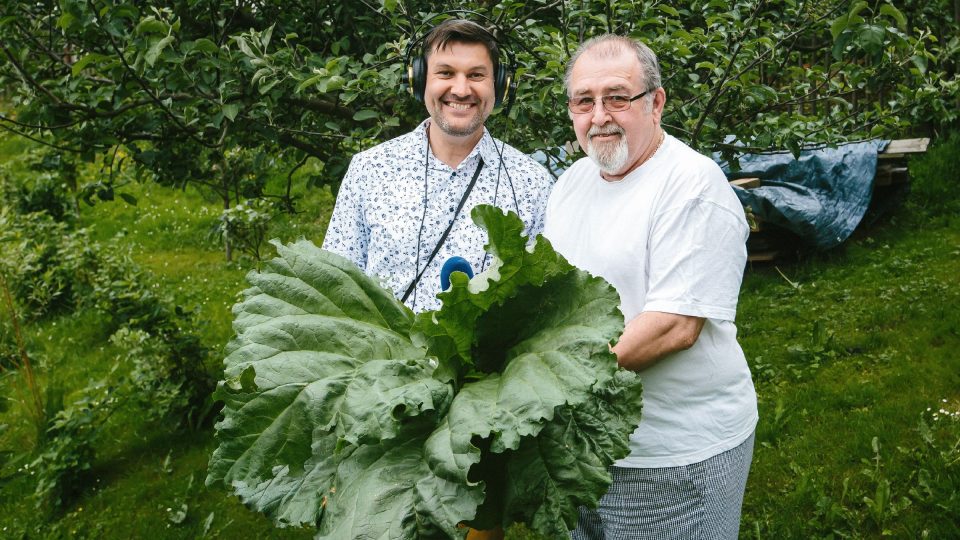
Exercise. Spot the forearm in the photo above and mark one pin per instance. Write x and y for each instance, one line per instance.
(650, 336)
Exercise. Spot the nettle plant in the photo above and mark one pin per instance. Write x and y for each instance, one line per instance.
(344, 410)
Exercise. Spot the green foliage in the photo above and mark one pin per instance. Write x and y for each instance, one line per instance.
(881, 498)
(74, 431)
(50, 177)
(186, 89)
(157, 384)
(935, 181)
(69, 448)
(504, 406)
(48, 264)
(9, 353)
(935, 461)
(49, 267)
(53, 268)
(148, 377)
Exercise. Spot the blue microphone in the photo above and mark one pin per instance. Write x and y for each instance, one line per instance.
(453, 264)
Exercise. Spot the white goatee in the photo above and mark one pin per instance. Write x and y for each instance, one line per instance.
(609, 156)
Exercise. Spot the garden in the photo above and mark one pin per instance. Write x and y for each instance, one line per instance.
(150, 153)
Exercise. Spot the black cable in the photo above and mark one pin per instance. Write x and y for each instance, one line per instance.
(423, 219)
(513, 192)
(446, 232)
(496, 190)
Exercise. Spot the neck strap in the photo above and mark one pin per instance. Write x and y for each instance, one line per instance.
(443, 238)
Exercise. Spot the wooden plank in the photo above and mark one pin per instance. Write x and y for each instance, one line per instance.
(907, 146)
(763, 256)
(746, 183)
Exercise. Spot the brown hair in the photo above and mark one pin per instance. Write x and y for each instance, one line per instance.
(461, 31)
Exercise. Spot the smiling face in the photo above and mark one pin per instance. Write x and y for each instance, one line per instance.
(617, 141)
(459, 89)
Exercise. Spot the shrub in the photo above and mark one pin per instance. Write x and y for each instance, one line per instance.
(935, 182)
(245, 226)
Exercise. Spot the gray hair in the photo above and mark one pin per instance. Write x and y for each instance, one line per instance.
(609, 45)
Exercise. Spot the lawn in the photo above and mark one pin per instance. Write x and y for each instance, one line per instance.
(853, 353)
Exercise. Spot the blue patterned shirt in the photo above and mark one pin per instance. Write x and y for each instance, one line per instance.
(379, 215)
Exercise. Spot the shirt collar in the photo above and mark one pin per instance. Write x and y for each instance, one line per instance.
(486, 148)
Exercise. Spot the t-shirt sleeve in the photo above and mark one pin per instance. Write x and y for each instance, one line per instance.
(347, 233)
(697, 257)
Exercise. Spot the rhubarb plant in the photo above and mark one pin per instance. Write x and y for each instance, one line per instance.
(345, 411)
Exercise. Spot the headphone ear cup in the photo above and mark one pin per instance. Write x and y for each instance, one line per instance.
(501, 79)
(511, 93)
(405, 78)
(418, 76)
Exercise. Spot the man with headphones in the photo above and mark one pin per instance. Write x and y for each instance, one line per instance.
(404, 205)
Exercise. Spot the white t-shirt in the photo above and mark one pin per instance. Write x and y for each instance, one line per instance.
(671, 237)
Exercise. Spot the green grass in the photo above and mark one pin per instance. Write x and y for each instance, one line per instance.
(846, 348)
(888, 309)
(859, 346)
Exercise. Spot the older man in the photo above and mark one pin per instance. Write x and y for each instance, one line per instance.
(404, 205)
(659, 221)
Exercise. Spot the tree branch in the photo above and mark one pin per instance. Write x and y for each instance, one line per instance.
(723, 79)
(43, 142)
(33, 82)
(166, 110)
(303, 146)
(300, 131)
(373, 9)
(509, 31)
(33, 126)
(321, 106)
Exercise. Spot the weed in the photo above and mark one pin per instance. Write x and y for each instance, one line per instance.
(244, 226)
(33, 400)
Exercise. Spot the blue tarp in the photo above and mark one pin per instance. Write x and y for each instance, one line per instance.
(821, 196)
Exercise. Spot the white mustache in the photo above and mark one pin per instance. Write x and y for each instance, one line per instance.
(605, 130)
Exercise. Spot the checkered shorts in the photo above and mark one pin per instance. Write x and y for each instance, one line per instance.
(693, 502)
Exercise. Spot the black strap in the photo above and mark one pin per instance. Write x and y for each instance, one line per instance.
(463, 200)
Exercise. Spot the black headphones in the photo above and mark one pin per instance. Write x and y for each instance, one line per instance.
(414, 77)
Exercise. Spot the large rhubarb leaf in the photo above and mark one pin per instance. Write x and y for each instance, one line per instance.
(344, 410)
(388, 492)
(536, 331)
(567, 464)
(321, 351)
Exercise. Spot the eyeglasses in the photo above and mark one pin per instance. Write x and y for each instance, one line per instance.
(584, 104)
